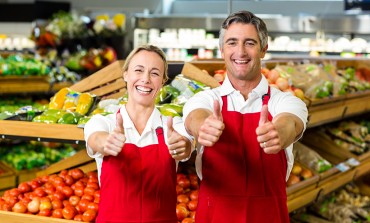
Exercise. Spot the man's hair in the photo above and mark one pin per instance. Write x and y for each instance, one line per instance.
(245, 17)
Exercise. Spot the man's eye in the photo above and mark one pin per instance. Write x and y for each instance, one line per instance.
(231, 43)
(250, 43)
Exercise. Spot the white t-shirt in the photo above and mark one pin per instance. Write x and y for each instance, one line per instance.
(279, 102)
(148, 137)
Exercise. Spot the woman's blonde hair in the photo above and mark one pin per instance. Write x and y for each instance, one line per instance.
(149, 48)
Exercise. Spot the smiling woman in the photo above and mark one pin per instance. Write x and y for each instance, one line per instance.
(138, 144)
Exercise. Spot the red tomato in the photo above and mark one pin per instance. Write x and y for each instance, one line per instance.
(73, 200)
(179, 189)
(192, 205)
(184, 182)
(78, 217)
(83, 205)
(24, 187)
(39, 192)
(57, 180)
(88, 197)
(59, 195)
(94, 185)
(45, 212)
(89, 216)
(14, 192)
(67, 191)
(34, 184)
(79, 191)
(57, 213)
(89, 191)
(49, 190)
(194, 195)
(187, 220)
(69, 212)
(69, 180)
(56, 204)
(181, 212)
(182, 198)
(77, 173)
(93, 206)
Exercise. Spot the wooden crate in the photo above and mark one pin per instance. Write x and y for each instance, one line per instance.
(7, 177)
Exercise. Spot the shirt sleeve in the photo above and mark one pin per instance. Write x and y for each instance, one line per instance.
(95, 124)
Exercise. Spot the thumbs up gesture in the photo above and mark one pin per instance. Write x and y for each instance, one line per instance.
(267, 134)
(116, 139)
(212, 127)
(178, 145)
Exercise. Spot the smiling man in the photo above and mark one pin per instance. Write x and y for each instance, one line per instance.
(245, 132)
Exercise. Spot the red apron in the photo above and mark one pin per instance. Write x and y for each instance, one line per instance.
(241, 183)
(139, 185)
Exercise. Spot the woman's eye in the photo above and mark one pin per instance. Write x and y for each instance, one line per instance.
(156, 74)
(138, 70)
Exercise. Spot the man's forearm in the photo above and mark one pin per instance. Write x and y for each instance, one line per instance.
(194, 120)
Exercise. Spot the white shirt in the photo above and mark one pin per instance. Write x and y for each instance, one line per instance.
(279, 102)
(148, 137)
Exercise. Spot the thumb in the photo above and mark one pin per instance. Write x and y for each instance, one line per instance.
(170, 126)
(119, 123)
(264, 115)
(217, 110)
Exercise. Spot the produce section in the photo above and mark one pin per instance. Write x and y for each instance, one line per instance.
(315, 181)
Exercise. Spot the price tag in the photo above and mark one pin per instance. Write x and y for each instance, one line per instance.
(353, 162)
(343, 167)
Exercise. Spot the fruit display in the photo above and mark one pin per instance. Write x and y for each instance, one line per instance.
(13, 106)
(299, 173)
(70, 194)
(27, 156)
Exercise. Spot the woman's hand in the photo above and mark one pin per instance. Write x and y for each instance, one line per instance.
(116, 139)
(178, 145)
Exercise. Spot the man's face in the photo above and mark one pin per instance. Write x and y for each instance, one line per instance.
(242, 52)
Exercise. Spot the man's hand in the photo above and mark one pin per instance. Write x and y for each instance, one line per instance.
(267, 135)
(212, 127)
(115, 139)
(178, 145)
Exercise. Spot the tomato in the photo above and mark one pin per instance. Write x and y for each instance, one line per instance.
(45, 205)
(73, 200)
(194, 195)
(179, 189)
(63, 173)
(194, 184)
(24, 187)
(69, 180)
(59, 195)
(89, 191)
(6, 207)
(77, 173)
(79, 191)
(66, 203)
(181, 212)
(187, 220)
(89, 215)
(39, 192)
(93, 206)
(78, 217)
(180, 176)
(79, 184)
(57, 180)
(92, 174)
(192, 205)
(88, 197)
(184, 182)
(49, 190)
(57, 213)
(94, 185)
(182, 198)
(45, 178)
(192, 215)
(19, 207)
(56, 204)
(67, 191)
(14, 192)
(83, 205)
(69, 212)
(34, 184)
(45, 212)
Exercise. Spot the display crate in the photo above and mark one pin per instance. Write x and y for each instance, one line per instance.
(7, 177)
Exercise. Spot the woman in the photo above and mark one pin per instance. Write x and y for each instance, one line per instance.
(136, 162)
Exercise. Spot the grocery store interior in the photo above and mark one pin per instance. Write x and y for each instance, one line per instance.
(61, 63)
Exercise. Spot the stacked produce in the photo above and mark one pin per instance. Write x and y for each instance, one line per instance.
(27, 156)
(299, 173)
(187, 197)
(12, 106)
(70, 194)
(312, 80)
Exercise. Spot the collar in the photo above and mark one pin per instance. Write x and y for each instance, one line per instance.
(226, 88)
(154, 121)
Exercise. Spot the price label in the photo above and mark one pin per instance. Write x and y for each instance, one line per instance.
(343, 167)
(353, 162)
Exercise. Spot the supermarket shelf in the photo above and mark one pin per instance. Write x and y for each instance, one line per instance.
(326, 186)
(41, 131)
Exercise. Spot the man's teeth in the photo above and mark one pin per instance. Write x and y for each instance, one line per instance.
(241, 61)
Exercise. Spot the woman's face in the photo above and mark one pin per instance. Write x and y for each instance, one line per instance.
(144, 77)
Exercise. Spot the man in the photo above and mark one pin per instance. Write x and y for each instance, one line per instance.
(245, 131)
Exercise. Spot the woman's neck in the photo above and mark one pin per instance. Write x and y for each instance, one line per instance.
(139, 115)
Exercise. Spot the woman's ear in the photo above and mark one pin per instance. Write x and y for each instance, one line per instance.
(125, 76)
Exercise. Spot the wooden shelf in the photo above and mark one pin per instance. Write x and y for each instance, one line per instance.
(41, 131)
